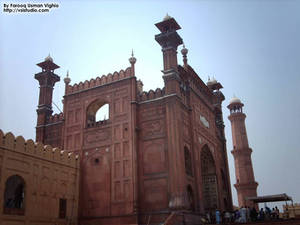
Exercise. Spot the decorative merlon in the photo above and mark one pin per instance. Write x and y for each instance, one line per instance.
(105, 79)
(8, 142)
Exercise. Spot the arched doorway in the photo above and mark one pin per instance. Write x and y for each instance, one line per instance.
(209, 180)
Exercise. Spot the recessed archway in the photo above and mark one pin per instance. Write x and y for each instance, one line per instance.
(209, 180)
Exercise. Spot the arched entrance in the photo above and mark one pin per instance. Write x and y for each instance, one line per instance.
(209, 180)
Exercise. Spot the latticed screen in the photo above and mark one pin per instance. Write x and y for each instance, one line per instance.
(209, 180)
(210, 191)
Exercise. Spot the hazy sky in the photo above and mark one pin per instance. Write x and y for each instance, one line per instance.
(251, 47)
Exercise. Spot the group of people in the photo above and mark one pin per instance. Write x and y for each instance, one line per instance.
(243, 215)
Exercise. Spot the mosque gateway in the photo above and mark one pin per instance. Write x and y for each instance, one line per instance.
(118, 154)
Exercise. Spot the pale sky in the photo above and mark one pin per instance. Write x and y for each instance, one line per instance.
(251, 47)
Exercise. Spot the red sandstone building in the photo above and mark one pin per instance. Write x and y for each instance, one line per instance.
(155, 153)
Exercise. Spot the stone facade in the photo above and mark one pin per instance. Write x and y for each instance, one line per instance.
(157, 152)
(38, 184)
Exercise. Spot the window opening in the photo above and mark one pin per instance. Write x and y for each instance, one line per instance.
(97, 113)
(102, 113)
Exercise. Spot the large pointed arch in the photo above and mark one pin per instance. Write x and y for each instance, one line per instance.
(209, 180)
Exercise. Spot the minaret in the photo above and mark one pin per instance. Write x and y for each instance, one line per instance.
(67, 80)
(169, 40)
(47, 79)
(245, 183)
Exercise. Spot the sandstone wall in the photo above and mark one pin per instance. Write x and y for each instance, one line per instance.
(49, 174)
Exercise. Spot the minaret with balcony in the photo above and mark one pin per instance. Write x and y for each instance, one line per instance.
(47, 79)
(246, 185)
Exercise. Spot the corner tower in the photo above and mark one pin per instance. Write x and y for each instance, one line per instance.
(47, 79)
(245, 182)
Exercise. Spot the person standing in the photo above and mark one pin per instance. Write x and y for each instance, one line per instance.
(243, 214)
(267, 213)
(218, 217)
(227, 217)
(253, 214)
(237, 216)
(208, 217)
(248, 213)
(276, 212)
(261, 214)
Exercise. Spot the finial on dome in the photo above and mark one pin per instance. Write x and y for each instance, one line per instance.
(167, 17)
(48, 58)
(132, 59)
(184, 52)
(67, 79)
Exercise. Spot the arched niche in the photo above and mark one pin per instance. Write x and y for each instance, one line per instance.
(14, 195)
(188, 161)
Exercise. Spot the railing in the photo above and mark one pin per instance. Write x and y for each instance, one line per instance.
(96, 124)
